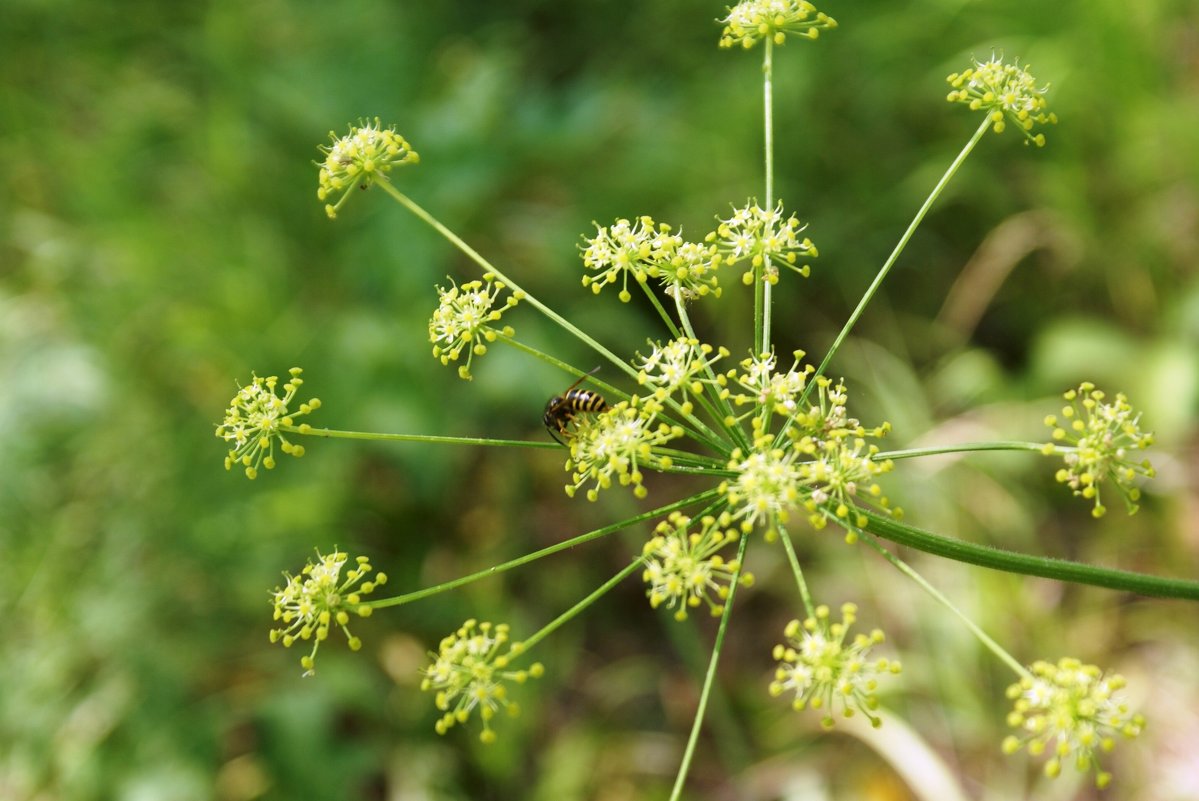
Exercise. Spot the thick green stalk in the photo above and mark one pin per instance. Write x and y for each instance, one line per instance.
(689, 752)
(535, 555)
(903, 241)
(1012, 562)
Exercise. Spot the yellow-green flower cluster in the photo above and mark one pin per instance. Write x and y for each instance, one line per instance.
(766, 390)
(615, 444)
(468, 673)
(645, 249)
(763, 238)
(463, 320)
(366, 154)
(674, 366)
(818, 457)
(1072, 712)
(257, 417)
(839, 477)
(755, 20)
(823, 671)
(1103, 436)
(1005, 92)
(765, 488)
(318, 598)
(684, 569)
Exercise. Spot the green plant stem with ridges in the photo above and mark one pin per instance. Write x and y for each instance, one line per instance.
(399, 600)
(940, 597)
(1012, 562)
(487, 266)
(689, 751)
(903, 242)
(804, 594)
(574, 611)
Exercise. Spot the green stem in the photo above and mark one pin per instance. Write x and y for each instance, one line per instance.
(903, 241)
(735, 431)
(804, 594)
(1046, 567)
(649, 293)
(367, 435)
(965, 447)
(761, 286)
(581, 605)
(689, 752)
(487, 266)
(399, 600)
(940, 597)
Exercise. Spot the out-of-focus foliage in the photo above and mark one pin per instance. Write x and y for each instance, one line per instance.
(160, 239)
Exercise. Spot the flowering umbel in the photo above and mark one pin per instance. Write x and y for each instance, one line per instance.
(1005, 92)
(319, 598)
(755, 20)
(763, 238)
(823, 671)
(617, 443)
(468, 673)
(463, 320)
(365, 155)
(1073, 711)
(684, 568)
(1103, 436)
(256, 418)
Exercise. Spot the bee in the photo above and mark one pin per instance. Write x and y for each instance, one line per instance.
(561, 410)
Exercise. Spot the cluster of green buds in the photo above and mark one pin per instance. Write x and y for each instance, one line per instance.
(464, 320)
(1073, 712)
(1007, 92)
(684, 567)
(468, 674)
(257, 418)
(1096, 439)
(772, 20)
(365, 155)
(319, 598)
(821, 669)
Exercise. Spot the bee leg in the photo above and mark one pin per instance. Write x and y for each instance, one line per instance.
(555, 436)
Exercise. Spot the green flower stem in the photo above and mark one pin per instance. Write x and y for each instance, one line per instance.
(911, 573)
(965, 447)
(399, 600)
(573, 612)
(649, 293)
(762, 287)
(1012, 562)
(487, 266)
(735, 431)
(561, 365)
(689, 752)
(715, 466)
(368, 435)
(903, 241)
(804, 594)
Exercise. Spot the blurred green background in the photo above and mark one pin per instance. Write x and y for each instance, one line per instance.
(160, 239)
